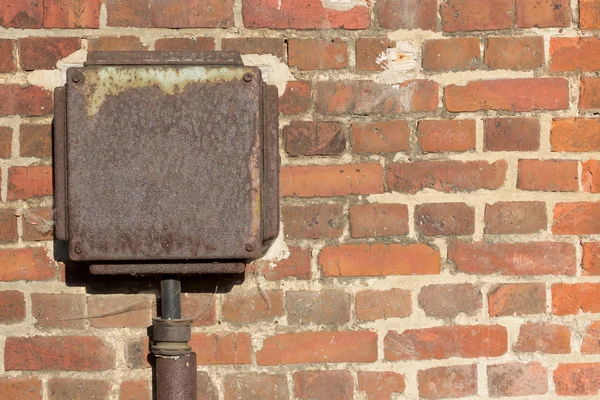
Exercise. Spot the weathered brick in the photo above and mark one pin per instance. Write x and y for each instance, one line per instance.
(366, 97)
(318, 347)
(407, 14)
(205, 387)
(12, 306)
(222, 348)
(572, 54)
(577, 379)
(511, 134)
(575, 134)
(591, 340)
(128, 13)
(253, 385)
(517, 379)
(71, 13)
(8, 225)
(296, 98)
(515, 217)
(302, 14)
(445, 219)
(30, 264)
(22, 14)
(548, 175)
(296, 265)
(517, 299)
(589, 14)
(517, 53)
(256, 45)
(476, 15)
(199, 43)
(199, 307)
(37, 223)
(310, 54)
(244, 308)
(137, 353)
(135, 390)
(313, 221)
(589, 93)
(7, 55)
(57, 353)
(327, 307)
(116, 43)
(369, 50)
(535, 258)
(371, 220)
(5, 142)
(574, 298)
(516, 95)
(591, 259)
(312, 138)
(446, 176)
(380, 137)
(379, 260)
(446, 135)
(77, 388)
(45, 52)
(454, 54)
(448, 382)
(544, 337)
(27, 182)
(331, 180)
(23, 388)
(443, 342)
(449, 301)
(36, 141)
(25, 100)
(380, 385)
(372, 305)
(324, 385)
(119, 311)
(543, 13)
(576, 219)
(58, 310)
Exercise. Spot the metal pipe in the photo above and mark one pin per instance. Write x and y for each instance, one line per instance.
(170, 298)
(176, 377)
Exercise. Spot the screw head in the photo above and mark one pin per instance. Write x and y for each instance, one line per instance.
(249, 248)
(78, 249)
(247, 76)
(76, 77)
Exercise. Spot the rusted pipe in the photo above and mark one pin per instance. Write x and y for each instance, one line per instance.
(176, 377)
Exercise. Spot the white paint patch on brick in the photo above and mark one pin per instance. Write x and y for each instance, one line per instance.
(274, 71)
(341, 5)
(399, 63)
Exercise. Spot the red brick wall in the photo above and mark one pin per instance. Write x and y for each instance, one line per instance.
(440, 180)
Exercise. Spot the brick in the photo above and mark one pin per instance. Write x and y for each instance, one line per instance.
(57, 353)
(45, 52)
(411, 14)
(27, 264)
(8, 225)
(296, 98)
(380, 137)
(185, 44)
(12, 306)
(516, 53)
(324, 385)
(78, 389)
(576, 219)
(199, 307)
(543, 13)
(296, 265)
(311, 54)
(313, 221)
(589, 94)
(369, 50)
(367, 97)
(331, 180)
(119, 311)
(128, 13)
(28, 182)
(448, 382)
(517, 299)
(318, 347)
(25, 100)
(536, 258)
(514, 95)
(205, 387)
(576, 298)
(22, 14)
(577, 379)
(7, 55)
(327, 307)
(445, 219)
(380, 385)
(515, 217)
(37, 223)
(25, 388)
(135, 390)
(256, 45)
(35, 141)
(548, 175)
(446, 176)
(546, 338)
(137, 353)
(446, 135)
(66, 14)
(517, 379)
(454, 54)
(252, 307)
(314, 138)
(372, 220)
(476, 15)
(5, 142)
(573, 54)
(302, 14)
(58, 310)
(222, 348)
(253, 385)
(591, 259)
(589, 14)
(591, 340)
(116, 43)
(511, 134)
(372, 305)
(575, 134)
(379, 260)
(444, 342)
(449, 301)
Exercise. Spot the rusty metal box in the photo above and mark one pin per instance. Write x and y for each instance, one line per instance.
(166, 162)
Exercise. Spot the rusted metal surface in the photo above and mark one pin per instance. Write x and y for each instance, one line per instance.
(176, 378)
(163, 58)
(59, 178)
(171, 330)
(271, 168)
(162, 268)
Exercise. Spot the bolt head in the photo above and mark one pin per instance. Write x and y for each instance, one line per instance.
(76, 77)
(247, 76)
(249, 248)
(78, 249)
